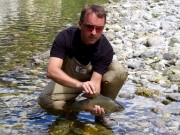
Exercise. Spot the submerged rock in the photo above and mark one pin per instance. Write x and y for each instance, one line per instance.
(70, 127)
(174, 97)
(147, 92)
(166, 101)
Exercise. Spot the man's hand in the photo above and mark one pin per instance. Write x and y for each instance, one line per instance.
(89, 87)
(98, 111)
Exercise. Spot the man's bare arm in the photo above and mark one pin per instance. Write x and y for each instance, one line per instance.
(96, 78)
(55, 73)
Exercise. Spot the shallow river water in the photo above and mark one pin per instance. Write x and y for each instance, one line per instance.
(27, 28)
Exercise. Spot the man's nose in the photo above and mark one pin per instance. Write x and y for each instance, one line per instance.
(94, 31)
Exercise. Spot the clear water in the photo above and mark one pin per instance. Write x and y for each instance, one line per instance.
(27, 28)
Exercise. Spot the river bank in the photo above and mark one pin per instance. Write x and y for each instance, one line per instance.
(146, 38)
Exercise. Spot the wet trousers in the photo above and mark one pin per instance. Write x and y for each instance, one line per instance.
(54, 96)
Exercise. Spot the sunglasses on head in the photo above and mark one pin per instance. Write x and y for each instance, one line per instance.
(90, 27)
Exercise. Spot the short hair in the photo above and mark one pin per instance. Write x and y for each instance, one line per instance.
(97, 9)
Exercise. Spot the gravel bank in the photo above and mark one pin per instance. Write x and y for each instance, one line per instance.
(146, 38)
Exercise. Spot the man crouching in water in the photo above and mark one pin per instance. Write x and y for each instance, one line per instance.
(81, 60)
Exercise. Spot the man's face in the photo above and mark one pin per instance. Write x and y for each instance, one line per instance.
(91, 28)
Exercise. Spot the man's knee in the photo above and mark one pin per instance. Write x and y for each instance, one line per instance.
(116, 73)
(49, 105)
(114, 79)
(54, 97)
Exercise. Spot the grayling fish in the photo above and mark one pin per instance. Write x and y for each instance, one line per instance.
(88, 104)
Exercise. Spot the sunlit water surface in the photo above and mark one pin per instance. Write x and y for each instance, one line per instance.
(27, 28)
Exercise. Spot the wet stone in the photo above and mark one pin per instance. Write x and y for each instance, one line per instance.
(147, 92)
(169, 56)
(174, 97)
(174, 77)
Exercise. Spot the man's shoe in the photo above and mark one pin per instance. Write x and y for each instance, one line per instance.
(72, 115)
(106, 121)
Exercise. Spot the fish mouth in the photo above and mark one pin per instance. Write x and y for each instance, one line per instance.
(121, 108)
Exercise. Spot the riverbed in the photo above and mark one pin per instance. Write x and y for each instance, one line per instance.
(27, 29)
(145, 36)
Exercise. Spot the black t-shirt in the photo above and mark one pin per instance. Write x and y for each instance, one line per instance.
(68, 43)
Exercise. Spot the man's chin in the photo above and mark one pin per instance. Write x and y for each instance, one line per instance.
(91, 42)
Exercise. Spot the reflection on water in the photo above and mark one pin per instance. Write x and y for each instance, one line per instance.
(8, 10)
(26, 30)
